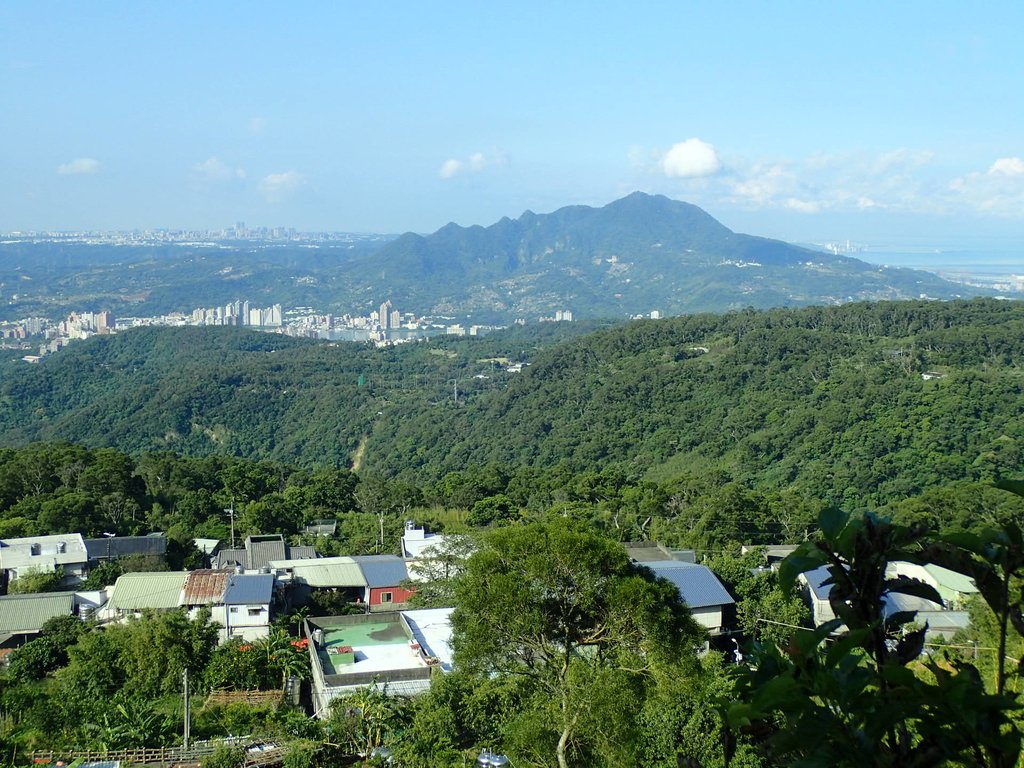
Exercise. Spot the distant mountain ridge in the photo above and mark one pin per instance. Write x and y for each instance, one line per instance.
(637, 254)
(629, 257)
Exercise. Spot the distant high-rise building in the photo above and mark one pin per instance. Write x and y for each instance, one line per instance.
(384, 315)
(396, 319)
(275, 316)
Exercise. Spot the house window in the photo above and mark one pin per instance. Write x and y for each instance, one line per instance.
(234, 609)
(386, 597)
(255, 611)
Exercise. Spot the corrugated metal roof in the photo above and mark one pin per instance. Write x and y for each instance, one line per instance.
(815, 581)
(207, 546)
(28, 613)
(382, 570)
(137, 591)
(205, 586)
(112, 547)
(302, 552)
(697, 585)
(951, 580)
(228, 558)
(254, 589)
(262, 549)
(329, 572)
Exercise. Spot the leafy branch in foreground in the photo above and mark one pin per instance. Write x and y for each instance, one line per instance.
(854, 691)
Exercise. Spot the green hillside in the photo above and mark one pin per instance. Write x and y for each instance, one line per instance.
(838, 402)
(830, 400)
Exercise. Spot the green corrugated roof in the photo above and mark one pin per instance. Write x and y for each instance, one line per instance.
(951, 584)
(328, 572)
(28, 613)
(137, 591)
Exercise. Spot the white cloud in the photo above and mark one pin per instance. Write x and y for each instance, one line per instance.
(999, 191)
(764, 184)
(901, 159)
(276, 187)
(901, 180)
(689, 159)
(802, 206)
(1007, 166)
(450, 168)
(475, 163)
(216, 170)
(79, 167)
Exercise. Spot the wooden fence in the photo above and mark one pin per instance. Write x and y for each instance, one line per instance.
(167, 757)
(252, 698)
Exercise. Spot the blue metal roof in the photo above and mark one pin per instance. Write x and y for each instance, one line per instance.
(816, 579)
(697, 585)
(249, 589)
(382, 570)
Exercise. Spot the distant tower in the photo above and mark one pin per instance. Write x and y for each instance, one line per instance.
(384, 315)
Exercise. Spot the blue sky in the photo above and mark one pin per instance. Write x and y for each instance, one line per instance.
(804, 121)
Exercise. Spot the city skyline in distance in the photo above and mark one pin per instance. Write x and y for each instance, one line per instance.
(802, 123)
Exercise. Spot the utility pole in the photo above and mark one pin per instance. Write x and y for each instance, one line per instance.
(230, 511)
(188, 712)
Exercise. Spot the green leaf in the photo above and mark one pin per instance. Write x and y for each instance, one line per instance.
(1013, 486)
(799, 562)
(832, 520)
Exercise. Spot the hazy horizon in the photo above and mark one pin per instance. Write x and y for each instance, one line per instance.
(801, 122)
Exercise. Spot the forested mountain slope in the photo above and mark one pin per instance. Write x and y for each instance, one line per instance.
(633, 255)
(238, 392)
(838, 402)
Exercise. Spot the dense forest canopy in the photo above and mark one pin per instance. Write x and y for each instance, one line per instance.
(863, 401)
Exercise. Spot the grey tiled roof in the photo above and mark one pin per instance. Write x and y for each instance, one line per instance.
(697, 585)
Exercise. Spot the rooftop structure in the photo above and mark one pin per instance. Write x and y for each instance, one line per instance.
(652, 552)
(700, 589)
(397, 651)
(23, 616)
(205, 587)
(260, 551)
(136, 592)
(44, 554)
(114, 547)
(416, 542)
(374, 580)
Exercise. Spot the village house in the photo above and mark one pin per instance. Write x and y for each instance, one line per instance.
(43, 554)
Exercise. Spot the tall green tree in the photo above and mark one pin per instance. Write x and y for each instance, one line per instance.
(565, 609)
